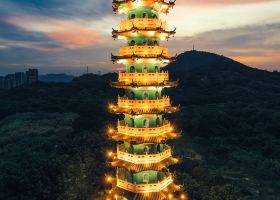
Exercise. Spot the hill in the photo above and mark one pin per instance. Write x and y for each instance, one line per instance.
(229, 116)
(60, 78)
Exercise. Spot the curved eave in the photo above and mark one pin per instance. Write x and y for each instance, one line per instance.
(117, 33)
(163, 195)
(144, 167)
(153, 139)
(141, 111)
(166, 84)
(159, 57)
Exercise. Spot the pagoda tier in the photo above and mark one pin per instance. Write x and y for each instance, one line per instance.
(142, 188)
(142, 167)
(145, 106)
(143, 26)
(144, 134)
(124, 6)
(147, 158)
(159, 79)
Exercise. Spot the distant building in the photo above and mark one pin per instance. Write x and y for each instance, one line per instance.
(32, 76)
(2, 82)
(19, 78)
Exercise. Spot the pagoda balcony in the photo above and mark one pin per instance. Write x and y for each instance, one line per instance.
(130, 60)
(144, 26)
(144, 79)
(142, 54)
(147, 106)
(145, 188)
(144, 132)
(123, 6)
(144, 135)
(144, 51)
(143, 159)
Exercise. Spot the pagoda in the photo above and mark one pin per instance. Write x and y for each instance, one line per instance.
(142, 156)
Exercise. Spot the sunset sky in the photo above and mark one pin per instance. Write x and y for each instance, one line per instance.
(58, 36)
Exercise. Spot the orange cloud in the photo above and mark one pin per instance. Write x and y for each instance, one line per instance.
(78, 37)
(67, 34)
(267, 61)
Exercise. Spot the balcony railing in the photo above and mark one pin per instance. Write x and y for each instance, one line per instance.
(144, 51)
(144, 132)
(144, 104)
(158, 106)
(142, 23)
(145, 188)
(143, 78)
(143, 159)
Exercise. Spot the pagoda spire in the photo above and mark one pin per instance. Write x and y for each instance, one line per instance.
(142, 156)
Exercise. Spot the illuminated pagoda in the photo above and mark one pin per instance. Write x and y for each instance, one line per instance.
(142, 157)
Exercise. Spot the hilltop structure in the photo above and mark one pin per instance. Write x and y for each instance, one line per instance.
(143, 157)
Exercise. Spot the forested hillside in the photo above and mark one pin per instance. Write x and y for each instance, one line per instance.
(53, 140)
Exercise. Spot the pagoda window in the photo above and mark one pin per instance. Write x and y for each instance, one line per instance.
(145, 123)
(132, 122)
(132, 69)
(154, 16)
(145, 69)
(156, 43)
(132, 94)
(145, 95)
(158, 148)
(145, 15)
(158, 122)
(132, 43)
(146, 178)
(156, 68)
(157, 95)
(145, 42)
(133, 16)
(131, 148)
(146, 150)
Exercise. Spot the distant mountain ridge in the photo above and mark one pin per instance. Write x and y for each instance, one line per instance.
(192, 59)
(219, 79)
(58, 78)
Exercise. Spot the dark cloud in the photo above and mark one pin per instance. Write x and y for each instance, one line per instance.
(14, 33)
(56, 8)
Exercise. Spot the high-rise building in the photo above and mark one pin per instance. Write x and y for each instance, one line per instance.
(19, 78)
(9, 81)
(32, 76)
(2, 82)
(142, 157)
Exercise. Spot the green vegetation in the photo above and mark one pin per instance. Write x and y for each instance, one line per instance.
(41, 157)
(53, 141)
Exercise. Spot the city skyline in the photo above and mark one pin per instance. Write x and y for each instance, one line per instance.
(56, 36)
